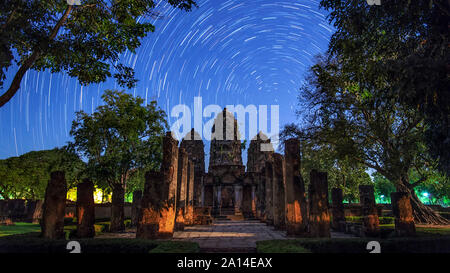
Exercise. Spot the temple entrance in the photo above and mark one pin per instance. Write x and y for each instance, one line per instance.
(208, 196)
(247, 202)
(227, 198)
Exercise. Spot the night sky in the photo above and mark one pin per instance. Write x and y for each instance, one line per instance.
(228, 52)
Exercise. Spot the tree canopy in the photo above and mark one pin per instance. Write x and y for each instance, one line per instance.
(84, 41)
(27, 176)
(405, 44)
(119, 138)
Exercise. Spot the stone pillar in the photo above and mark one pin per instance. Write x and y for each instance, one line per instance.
(189, 211)
(261, 196)
(295, 197)
(52, 224)
(181, 188)
(215, 208)
(238, 199)
(371, 223)
(202, 198)
(117, 209)
(338, 208)
(136, 207)
(279, 213)
(169, 171)
(269, 193)
(254, 200)
(403, 213)
(85, 209)
(152, 203)
(319, 216)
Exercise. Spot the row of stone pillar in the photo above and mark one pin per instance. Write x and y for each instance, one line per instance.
(401, 208)
(286, 205)
(168, 200)
(53, 209)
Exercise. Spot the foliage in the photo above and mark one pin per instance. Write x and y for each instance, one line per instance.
(27, 176)
(405, 44)
(119, 138)
(383, 188)
(85, 41)
(342, 172)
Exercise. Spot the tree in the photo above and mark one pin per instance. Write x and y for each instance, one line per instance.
(27, 176)
(361, 120)
(342, 172)
(406, 43)
(85, 41)
(118, 139)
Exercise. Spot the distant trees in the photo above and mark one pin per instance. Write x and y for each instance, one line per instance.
(27, 176)
(119, 140)
(85, 41)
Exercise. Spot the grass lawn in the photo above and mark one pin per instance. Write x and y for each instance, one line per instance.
(32, 243)
(428, 240)
(19, 228)
(24, 238)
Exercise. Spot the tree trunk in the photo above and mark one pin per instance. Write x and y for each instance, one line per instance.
(422, 213)
(117, 209)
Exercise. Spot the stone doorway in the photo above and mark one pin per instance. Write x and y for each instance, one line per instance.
(208, 196)
(227, 197)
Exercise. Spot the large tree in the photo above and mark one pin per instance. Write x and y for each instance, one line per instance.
(119, 138)
(27, 176)
(406, 43)
(84, 40)
(361, 119)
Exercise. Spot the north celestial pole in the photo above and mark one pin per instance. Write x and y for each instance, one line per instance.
(228, 52)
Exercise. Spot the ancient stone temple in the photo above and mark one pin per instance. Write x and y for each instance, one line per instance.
(227, 188)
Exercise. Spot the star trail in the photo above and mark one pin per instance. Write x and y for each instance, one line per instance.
(228, 52)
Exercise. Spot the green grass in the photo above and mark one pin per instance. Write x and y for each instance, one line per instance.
(422, 231)
(355, 245)
(176, 247)
(69, 228)
(19, 228)
(280, 246)
(32, 243)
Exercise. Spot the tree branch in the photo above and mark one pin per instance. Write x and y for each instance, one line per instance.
(15, 84)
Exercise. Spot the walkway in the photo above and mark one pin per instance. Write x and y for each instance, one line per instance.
(229, 236)
(225, 235)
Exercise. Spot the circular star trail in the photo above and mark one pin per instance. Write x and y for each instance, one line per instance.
(228, 52)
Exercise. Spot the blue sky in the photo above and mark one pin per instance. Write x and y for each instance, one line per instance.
(228, 52)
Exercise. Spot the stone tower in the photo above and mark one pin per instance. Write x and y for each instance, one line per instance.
(260, 151)
(195, 149)
(225, 142)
